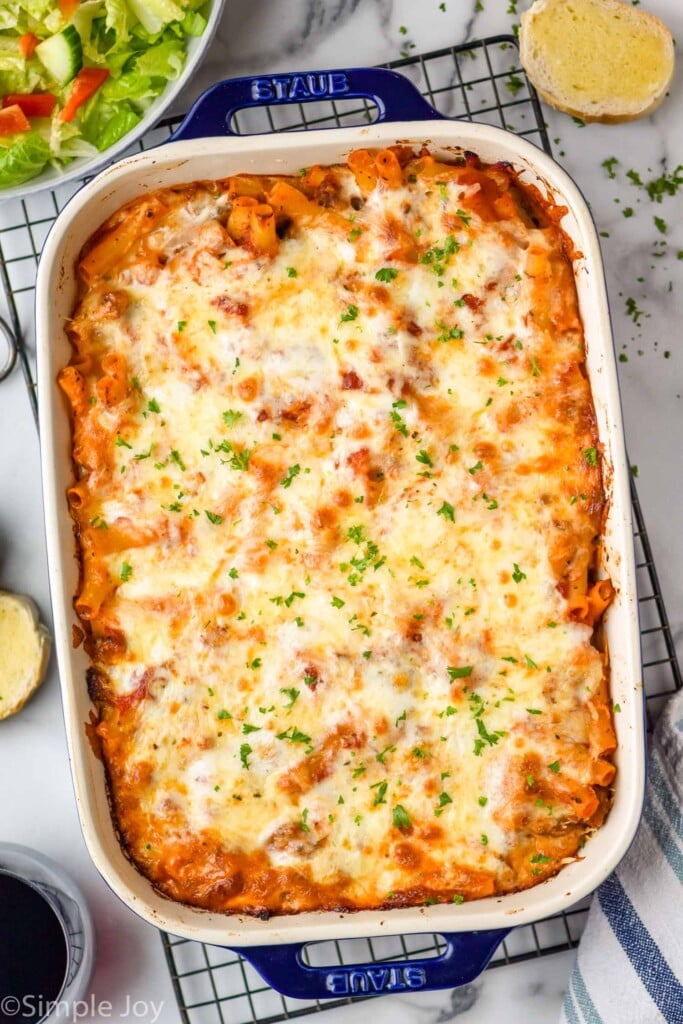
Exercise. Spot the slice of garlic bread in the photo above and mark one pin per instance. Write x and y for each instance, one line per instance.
(600, 60)
(24, 651)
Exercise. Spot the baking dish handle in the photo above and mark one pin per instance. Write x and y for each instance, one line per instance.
(395, 97)
(464, 958)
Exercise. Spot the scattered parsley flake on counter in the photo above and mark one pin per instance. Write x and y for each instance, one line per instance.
(213, 517)
(609, 166)
(660, 224)
(627, 212)
(459, 671)
(513, 84)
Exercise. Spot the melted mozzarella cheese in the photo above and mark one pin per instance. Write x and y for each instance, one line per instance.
(348, 620)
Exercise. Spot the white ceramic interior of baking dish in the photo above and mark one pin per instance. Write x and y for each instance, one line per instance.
(217, 158)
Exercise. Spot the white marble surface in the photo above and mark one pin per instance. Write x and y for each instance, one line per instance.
(36, 801)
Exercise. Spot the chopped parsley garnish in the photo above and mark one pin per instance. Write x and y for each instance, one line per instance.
(386, 275)
(213, 517)
(254, 664)
(437, 256)
(355, 233)
(457, 898)
(350, 314)
(473, 469)
(482, 801)
(153, 405)
(126, 572)
(294, 735)
(517, 573)
(292, 693)
(554, 767)
(272, 544)
(175, 457)
(230, 417)
(424, 458)
(534, 711)
(459, 671)
(120, 443)
(223, 714)
(246, 728)
(245, 751)
(591, 456)
(291, 473)
(444, 799)
(303, 822)
(181, 325)
(400, 817)
(540, 858)
(212, 325)
(484, 839)
(447, 511)
(381, 793)
(337, 602)
(535, 369)
(530, 663)
(292, 272)
(464, 217)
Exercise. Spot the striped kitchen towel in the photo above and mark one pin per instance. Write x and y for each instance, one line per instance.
(629, 968)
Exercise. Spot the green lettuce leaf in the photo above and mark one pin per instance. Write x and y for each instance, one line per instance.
(165, 60)
(23, 160)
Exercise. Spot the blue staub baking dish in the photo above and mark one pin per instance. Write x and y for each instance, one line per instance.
(204, 147)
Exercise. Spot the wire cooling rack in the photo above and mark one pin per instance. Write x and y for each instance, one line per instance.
(482, 81)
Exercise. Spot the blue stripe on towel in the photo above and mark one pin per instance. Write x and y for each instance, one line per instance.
(665, 793)
(583, 998)
(569, 1008)
(654, 972)
(662, 834)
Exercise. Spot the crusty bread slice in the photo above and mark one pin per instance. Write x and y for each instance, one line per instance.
(24, 652)
(600, 60)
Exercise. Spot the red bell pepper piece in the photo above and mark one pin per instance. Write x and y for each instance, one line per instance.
(28, 43)
(13, 120)
(33, 104)
(85, 84)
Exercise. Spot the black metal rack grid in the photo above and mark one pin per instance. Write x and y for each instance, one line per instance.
(481, 81)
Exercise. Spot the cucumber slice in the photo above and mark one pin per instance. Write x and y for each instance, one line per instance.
(62, 55)
(153, 15)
